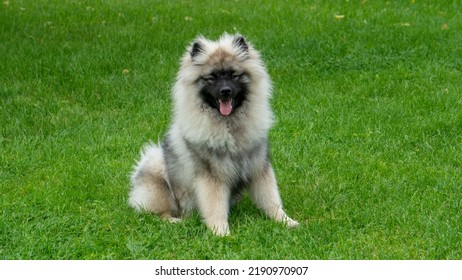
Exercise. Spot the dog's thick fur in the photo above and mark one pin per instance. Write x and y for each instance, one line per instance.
(217, 144)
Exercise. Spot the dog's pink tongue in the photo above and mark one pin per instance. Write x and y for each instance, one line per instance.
(225, 106)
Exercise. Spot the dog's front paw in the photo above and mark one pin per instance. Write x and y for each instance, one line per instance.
(220, 230)
(291, 223)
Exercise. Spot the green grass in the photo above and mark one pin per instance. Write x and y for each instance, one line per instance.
(367, 147)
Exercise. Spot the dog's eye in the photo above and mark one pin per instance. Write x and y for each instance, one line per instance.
(209, 79)
(236, 77)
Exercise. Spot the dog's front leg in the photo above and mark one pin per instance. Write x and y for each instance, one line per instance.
(264, 192)
(213, 202)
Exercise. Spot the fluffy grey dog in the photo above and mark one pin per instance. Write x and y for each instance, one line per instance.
(217, 144)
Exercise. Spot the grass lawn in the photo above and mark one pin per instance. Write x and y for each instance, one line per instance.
(367, 148)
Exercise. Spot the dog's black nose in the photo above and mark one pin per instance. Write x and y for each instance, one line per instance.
(225, 91)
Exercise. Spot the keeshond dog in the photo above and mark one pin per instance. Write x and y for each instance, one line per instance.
(217, 144)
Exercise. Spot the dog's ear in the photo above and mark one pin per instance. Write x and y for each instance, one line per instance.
(196, 49)
(240, 42)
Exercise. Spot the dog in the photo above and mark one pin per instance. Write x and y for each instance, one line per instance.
(217, 145)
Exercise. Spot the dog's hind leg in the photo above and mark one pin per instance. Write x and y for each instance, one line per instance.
(150, 190)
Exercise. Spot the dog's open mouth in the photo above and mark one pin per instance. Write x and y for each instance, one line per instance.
(225, 106)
